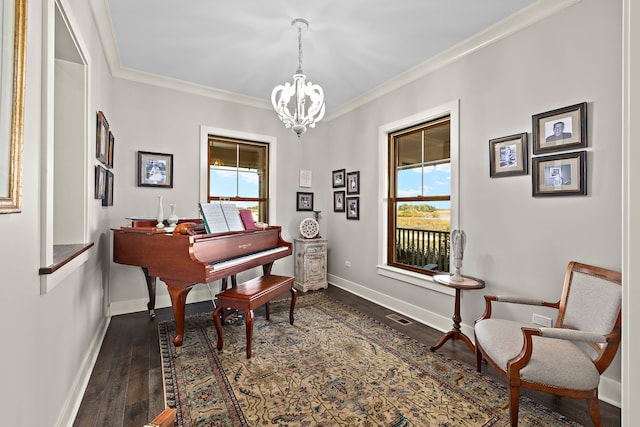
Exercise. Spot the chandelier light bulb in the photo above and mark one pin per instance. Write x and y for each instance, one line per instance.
(290, 100)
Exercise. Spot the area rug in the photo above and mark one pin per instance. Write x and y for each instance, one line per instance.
(333, 367)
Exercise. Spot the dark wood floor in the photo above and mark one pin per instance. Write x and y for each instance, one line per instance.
(125, 388)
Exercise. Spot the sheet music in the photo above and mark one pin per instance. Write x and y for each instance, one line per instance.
(234, 222)
(213, 217)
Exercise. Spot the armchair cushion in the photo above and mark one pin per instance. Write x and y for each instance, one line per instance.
(554, 362)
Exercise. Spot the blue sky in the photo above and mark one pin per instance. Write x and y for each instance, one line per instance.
(435, 181)
(225, 179)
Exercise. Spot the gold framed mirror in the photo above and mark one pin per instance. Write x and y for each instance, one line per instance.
(12, 81)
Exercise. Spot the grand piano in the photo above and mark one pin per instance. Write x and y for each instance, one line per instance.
(182, 261)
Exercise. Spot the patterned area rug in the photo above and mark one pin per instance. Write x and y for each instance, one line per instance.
(333, 367)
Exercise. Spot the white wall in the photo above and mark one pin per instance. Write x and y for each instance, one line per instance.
(516, 243)
(48, 339)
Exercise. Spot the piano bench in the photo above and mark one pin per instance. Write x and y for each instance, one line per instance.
(250, 295)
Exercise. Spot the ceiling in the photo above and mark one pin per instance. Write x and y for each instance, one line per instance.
(248, 47)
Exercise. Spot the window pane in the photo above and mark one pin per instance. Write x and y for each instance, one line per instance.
(223, 181)
(422, 234)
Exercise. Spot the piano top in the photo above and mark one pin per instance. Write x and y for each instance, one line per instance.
(193, 258)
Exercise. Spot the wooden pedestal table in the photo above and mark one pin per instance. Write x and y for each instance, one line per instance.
(456, 334)
(250, 295)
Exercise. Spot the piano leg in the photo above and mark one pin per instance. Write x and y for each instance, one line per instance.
(151, 288)
(178, 292)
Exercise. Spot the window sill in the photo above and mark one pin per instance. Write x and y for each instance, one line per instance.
(416, 279)
(66, 259)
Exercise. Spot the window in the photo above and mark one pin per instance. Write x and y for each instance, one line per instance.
(419, 207)
(238, 171)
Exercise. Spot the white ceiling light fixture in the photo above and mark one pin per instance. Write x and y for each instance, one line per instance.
(300, 90)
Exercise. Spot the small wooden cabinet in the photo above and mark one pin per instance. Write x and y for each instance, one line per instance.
(310, 264)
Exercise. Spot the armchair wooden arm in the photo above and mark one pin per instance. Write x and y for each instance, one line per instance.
(489, 299)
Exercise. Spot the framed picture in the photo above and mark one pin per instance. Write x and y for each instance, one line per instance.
(338, 178)
(338, 201)
(110, 150)
(353, 182)
(353, 207)
(508, 156)
(561, 129)
(100, 179)
(12, 86)
(304, 201)
(560, 175)
(102, 138)
(305, 178)
(107, 200)
(155, 169)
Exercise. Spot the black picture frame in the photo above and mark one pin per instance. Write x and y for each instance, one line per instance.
(155, 169)
(100, 180)
(102, 138)
(111, 143)
(304, 201)
(337, 178)
(560, 175)
(508, 156)
(561, 129)
(353, 207)
(107, 200)
(338, 201)
(353, 182)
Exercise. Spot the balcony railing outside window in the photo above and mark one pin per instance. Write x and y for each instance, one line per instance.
(428, 249)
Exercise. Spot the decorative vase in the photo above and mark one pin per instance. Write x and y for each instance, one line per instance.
(160, 218)
(173, 218)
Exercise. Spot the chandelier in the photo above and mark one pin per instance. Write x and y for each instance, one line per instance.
(300, 90)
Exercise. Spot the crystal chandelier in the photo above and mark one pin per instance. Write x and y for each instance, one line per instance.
(299, 119)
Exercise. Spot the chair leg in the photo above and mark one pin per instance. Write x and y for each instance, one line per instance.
(514, 405)
(594, 409)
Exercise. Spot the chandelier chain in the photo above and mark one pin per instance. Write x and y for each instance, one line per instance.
(299, 50)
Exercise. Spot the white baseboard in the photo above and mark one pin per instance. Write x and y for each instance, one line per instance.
(609, 390)
(74, 399)
(197, 294)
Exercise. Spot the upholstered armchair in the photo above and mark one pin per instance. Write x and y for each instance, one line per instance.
(564, 360)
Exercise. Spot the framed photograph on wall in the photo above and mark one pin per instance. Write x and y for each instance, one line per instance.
(304, 201)
(353, 207)
(102, 138)
(338, 179)
(561, 129)
(508, 156)
(110, 150)
(560, 175)
(107, 200)
(338, 201)
(155, 169)
(353, 182)
(100, 179)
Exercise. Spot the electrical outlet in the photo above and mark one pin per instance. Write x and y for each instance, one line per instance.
(541, 320)
(347, 263)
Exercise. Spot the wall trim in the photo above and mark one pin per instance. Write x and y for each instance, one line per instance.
(74, 399)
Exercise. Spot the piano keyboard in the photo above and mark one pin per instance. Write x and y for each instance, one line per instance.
(235, 261)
